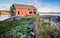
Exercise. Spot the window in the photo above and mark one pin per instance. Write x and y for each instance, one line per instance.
(18, 12)
(28, 9)
(30, 12)
(34, 12)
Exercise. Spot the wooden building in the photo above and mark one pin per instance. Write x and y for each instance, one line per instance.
(22, 10)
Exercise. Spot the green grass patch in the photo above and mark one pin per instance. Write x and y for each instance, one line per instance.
(15, 28)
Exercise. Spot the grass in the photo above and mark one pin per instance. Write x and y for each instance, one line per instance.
(18, 29)
(4, 10)
(15, 28)
(45, 31)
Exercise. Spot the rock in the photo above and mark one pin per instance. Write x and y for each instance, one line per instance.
(31, 35)
(17, 18)
(31, 27)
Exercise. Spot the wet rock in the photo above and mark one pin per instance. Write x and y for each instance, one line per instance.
(17, 18)
(31, 35)
(31, 27)
(32, 31)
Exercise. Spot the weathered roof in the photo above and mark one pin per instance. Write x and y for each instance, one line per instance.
(23, 6)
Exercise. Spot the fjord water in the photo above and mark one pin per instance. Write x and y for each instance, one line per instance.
(3, 17)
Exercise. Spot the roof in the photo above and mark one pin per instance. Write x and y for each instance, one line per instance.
(23, 6)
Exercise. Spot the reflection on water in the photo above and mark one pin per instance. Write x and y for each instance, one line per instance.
(3, 17)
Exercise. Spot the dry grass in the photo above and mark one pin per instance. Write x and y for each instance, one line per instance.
(47, 31)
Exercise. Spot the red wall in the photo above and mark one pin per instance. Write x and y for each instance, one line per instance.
(23, 11)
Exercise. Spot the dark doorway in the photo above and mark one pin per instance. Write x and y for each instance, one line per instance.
(30, 12)
(18, 12)
(34, 12)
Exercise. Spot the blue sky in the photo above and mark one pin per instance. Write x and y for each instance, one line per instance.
(41, 5)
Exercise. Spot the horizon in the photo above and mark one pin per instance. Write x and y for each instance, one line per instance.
(41, 5)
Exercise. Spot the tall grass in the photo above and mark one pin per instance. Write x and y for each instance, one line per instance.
(45, 30)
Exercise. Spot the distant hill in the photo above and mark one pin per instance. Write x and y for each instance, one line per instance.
(46, 12)
(4, 10)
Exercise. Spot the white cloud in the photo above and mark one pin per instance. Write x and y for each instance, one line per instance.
(49, 9)
(4, 7)
(43, 7)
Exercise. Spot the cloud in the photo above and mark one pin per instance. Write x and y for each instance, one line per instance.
(44, 7)
(4, 7)
(38, 3)
(11, 0)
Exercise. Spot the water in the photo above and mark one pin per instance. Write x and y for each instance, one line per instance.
(4, 17)
(49, 14)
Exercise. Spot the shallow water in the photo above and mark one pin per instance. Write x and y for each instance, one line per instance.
(50, 14)
(4, 17)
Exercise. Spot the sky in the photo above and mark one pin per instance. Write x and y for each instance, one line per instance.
(41, 5)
